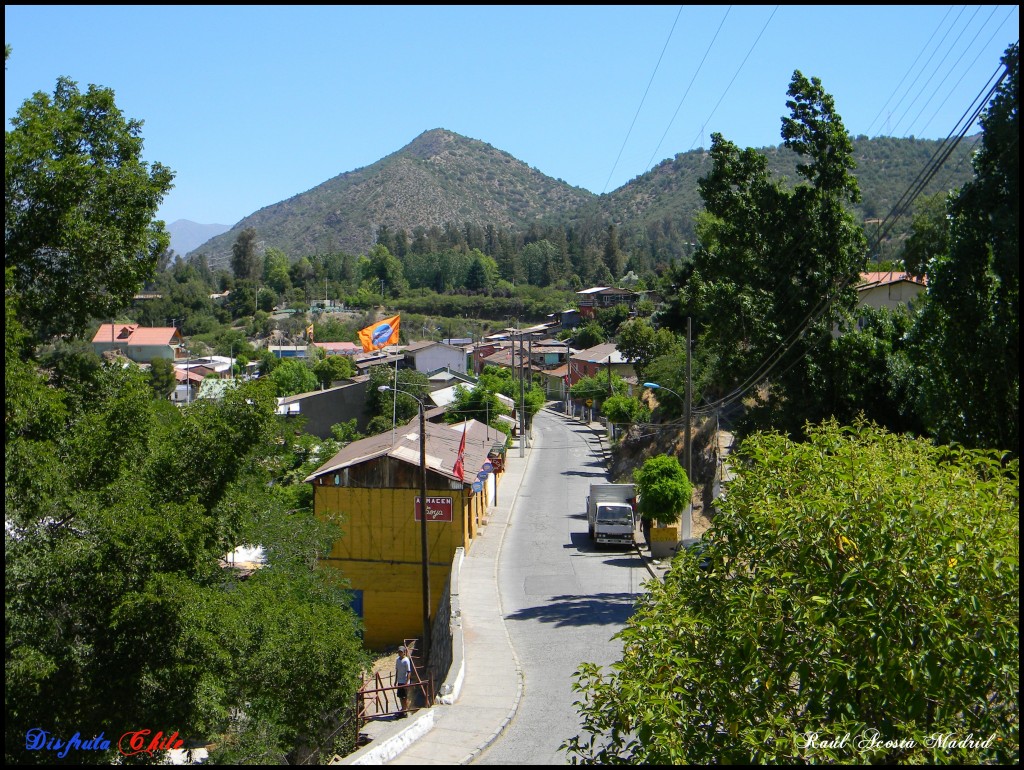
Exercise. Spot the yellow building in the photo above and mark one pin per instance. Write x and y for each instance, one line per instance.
(372, 487)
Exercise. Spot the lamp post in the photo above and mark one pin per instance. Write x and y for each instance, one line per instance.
(423, 518)
(686, 405)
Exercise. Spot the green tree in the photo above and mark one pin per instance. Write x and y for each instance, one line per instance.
(381, 265)
(79, 204)
(245, 260)
(967, 337)
(498, 379)
(161, 377)
(662, 488)
(929, 235)
(777, 265)
(477, 403)
(332, 368)
(640, 343)
(117, 610)
(611, 319)
(344, 433)
(483, 273)
(589, 335)
(596, 388)
(859, 582)
(275, 270)
(622, 410)
(387, 404)
(613, 257)
(292, 377)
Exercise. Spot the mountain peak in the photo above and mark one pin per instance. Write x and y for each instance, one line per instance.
(432, 143)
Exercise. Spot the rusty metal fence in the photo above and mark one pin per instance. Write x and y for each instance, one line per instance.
(377, 697)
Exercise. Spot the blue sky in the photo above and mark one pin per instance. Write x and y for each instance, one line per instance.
(252, 105)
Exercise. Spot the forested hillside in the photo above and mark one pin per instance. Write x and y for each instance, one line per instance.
(444, 187)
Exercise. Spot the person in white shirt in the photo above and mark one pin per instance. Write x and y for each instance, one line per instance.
(403, 673)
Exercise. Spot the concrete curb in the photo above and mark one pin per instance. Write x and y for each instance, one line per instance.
(501, 614)
(386, 747)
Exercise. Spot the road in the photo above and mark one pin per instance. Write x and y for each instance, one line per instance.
(562, 598)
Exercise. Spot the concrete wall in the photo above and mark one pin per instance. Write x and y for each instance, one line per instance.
(890, 296)
(324, 408)
(439, 357)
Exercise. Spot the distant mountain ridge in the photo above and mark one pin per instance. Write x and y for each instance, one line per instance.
(187, 235)
(441, 177)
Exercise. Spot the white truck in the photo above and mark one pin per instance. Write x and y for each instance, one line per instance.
(610, 513)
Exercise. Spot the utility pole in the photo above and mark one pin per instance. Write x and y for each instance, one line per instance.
(529, 361)
(522, 397)
(689, 401)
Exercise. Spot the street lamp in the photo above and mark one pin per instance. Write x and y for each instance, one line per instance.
(423, 517)
(686, 405)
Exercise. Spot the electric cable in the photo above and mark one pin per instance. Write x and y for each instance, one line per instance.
(686, 93)
(642, 100)
(738, 70)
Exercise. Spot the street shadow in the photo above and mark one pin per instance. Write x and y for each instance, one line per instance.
(575, 610)
(591, 474)
(581, 542)
(626, 560)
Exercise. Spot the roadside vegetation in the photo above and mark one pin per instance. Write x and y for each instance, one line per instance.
(864, 566)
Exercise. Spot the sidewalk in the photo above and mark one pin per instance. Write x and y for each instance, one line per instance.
(492, 686)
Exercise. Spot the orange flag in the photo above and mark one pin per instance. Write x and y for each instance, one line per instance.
(380, 334)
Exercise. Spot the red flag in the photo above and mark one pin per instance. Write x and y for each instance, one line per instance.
(459, 470)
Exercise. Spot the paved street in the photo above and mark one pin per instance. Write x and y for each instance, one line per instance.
(562, 598)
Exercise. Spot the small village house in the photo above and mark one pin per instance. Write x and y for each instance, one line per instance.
(372, 486)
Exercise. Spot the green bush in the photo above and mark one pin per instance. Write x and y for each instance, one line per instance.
(662, 488)
(861, 584)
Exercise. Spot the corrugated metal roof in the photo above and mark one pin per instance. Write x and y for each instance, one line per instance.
(871, 280)
(442, 449)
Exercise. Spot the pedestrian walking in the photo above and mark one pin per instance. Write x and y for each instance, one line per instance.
(403, 674)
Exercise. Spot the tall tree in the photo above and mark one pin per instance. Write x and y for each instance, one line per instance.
(245, 261)
(79, 207)
(613, 257)
(967, 337)
(777, 266)
(117, 610)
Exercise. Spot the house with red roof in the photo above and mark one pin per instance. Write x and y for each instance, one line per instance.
(140, 344)
(890, 289)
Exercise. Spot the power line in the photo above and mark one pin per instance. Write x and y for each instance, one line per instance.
(943, 79)
(934, 70)
(911, 67)
(978, 56)
(898, 210)
(656, 66)
(692, 80)
(925, 65)
(738, 70)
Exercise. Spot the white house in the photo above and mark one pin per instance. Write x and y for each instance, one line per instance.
(430, 356)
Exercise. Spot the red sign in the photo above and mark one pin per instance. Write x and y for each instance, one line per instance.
(438, 508)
